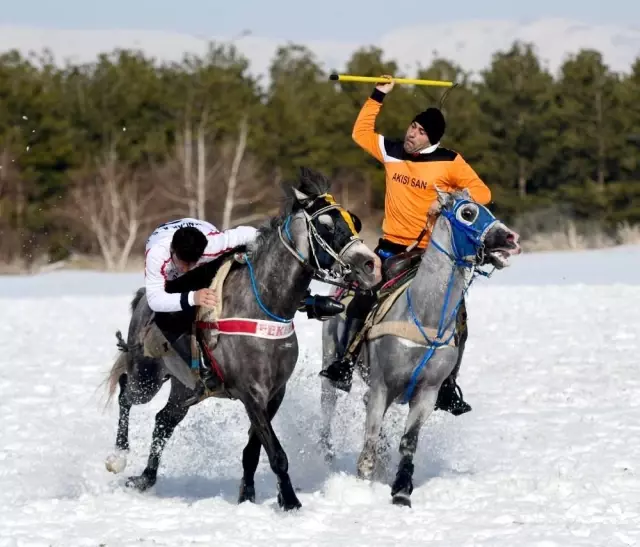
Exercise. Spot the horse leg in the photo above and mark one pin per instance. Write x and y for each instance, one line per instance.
(251, 453)
(278, 461)
(166, 421)
(420, 408)
(383, 455)
(139, 380)
(328, 400)
(377, 405)
(117, 462)
(328, 393)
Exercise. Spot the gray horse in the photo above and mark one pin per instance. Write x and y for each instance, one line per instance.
(414, 347)
(313, 238)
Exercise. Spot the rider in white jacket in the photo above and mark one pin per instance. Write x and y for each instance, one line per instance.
(164, 262)
(173, 249)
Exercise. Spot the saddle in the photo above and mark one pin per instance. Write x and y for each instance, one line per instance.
(210, 275)
(402, 263)
(398, 272)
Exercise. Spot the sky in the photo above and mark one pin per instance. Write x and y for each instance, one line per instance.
(345, 20)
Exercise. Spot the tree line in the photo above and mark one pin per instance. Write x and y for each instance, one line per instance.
(93, 155)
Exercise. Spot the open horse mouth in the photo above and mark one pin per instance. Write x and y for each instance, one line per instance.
(500, 257)
(500, 245)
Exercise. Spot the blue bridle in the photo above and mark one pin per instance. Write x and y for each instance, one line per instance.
(467, 244)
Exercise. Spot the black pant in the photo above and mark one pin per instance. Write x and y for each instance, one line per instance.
(175, 324)
(362, 303)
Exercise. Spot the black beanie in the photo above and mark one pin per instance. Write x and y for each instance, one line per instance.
(432, 121)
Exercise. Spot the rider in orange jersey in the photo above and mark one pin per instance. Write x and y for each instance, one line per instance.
(413, 168)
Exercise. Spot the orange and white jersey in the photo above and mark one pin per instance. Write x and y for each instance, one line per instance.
(411, 178)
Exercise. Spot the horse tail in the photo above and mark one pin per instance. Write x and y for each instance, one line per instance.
(119, 367)
(137, 297)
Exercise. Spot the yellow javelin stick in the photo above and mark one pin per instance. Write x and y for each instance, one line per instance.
(372, 79)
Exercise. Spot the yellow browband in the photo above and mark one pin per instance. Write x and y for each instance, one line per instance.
(345, 214)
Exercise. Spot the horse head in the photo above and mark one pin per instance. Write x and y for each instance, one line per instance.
(328, 232)
(476, 237)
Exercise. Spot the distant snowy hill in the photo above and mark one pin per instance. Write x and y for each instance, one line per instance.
(468, 43)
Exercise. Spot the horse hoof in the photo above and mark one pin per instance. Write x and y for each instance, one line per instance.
(329, 457)
(247, 493)
(290, 505)
(116, 462)
(401, 499)
(141, 483)
(328, 452)
(365, 471)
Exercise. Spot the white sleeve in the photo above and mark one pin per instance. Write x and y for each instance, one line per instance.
(227, 240)
(160, 300)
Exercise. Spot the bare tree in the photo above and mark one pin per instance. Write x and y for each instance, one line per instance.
(111, 204)
(225, 174)
(181, 187)
(232, 182)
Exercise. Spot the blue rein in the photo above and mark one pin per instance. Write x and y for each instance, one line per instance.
(254, 287)
(255, 293)
(464, 239)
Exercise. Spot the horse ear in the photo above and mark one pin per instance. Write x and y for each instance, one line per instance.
(300, 196)
(443, 197)
(466, 194)
(357, 223)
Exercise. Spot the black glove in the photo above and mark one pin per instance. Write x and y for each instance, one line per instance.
(320, 307)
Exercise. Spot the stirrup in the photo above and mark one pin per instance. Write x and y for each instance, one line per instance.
(454, 401)
(340, 373)
(203, 390)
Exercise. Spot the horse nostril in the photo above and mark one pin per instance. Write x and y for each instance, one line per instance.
(511, 237)
(369, 266)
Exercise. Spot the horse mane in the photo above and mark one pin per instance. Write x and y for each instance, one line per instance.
(311, 183)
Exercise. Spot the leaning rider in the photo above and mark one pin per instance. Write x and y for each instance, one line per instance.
(412, 168)
(173, 249)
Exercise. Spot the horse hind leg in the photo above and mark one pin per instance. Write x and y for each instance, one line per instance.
(420, 408)
(117, 461)
(251, 453)
(166, 421)
(139, 382)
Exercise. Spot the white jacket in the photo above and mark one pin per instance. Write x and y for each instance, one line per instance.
(159, 267)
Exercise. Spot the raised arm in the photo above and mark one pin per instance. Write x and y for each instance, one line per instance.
(462, 175)
(364, 133)
(364, 128)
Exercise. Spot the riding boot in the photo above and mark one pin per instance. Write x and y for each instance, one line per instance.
(209, 380)
(340, 371)
(450, 398)
(174, 349)
(450, 395)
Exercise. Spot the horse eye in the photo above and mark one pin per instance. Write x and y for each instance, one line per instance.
(468, 213)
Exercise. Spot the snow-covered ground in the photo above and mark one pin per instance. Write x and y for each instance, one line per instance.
(548, 457)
